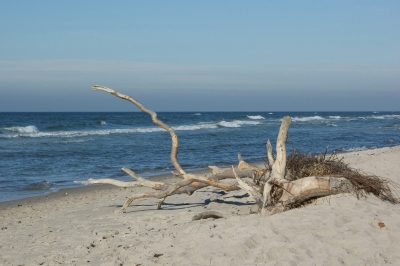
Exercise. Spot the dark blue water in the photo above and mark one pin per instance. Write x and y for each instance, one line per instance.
(43, 152)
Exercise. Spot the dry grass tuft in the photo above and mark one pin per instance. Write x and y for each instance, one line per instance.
(300, 165)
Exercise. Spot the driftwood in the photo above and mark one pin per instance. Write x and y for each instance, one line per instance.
(275, 188)
(207, 215)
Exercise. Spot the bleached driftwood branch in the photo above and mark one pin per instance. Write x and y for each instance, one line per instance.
(272, 189)
(174, 137)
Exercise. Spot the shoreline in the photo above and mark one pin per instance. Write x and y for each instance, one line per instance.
(89, 188)
(82, 190)
(82, 228)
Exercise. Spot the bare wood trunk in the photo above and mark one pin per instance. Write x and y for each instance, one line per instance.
(279, 165)
(296, 192)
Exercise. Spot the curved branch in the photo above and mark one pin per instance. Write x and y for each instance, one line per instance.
(174, 137)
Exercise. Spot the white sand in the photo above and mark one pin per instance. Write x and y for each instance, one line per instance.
(81, 228)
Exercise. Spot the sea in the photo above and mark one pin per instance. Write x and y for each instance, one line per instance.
(45, 152)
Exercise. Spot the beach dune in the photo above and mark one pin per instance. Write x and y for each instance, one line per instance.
(80, 227)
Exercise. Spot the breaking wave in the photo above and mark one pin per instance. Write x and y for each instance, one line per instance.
(195, 127)
(237, 123)
(33, 132)
(307, 118)
(257, 117)
(24, 130)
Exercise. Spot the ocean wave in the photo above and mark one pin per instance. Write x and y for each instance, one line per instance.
(33, 132)
(307, 118)
(197, 114)
(73, 134)
(24, 130)
(335, 117)
(380, 117)
(386, 116)
(195, 127)
(257, 117)
(103, 123)
(237, 123)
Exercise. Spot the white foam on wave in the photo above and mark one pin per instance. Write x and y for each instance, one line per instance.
(307, 118)
(197, 114)
(73, 134)
(27, 129)
(386, 116)
(33, 132)
(195, 127)
(335, 117)
(257, 117)
(237, 123)
(103, 123)
(380, 117)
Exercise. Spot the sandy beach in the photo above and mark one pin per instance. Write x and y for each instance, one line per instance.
(80, 227)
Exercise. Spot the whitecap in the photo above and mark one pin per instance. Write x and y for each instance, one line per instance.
(32, 131)
(380, 117)
(195, 127)
(73, 134)
(335, 117)
(103, 123)
(386, 116)
(257, 117)
(197, 114)
(24, 130)
(307, 118)
(237, 123)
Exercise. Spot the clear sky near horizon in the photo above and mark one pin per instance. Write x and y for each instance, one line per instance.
(200, 55)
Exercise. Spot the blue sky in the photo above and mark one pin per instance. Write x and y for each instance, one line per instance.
(200, 55)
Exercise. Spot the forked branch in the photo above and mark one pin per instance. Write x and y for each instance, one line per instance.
(279, 192)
